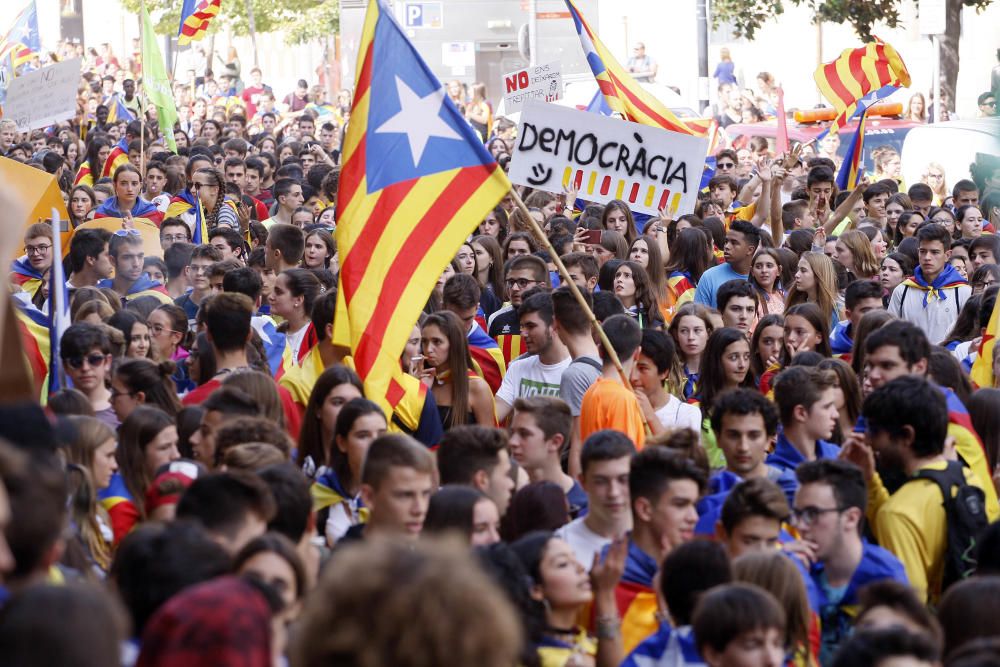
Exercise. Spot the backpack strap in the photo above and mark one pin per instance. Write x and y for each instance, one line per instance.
(902, 300)
(958, 299)
(946, 479)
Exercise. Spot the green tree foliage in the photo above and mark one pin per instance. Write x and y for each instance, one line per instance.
(747, 16)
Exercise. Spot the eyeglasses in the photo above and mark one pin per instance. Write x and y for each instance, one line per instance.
(93, 360)
(807, 516)
(158, 329)
(726, 165)
(128, 232)
(983, 284)
(174, 238)
(520, 283)
(115, 394)
(37, 249)
(990, 104)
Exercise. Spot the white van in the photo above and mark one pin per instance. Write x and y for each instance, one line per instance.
(955, 145)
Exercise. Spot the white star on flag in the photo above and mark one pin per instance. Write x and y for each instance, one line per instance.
(418, 118)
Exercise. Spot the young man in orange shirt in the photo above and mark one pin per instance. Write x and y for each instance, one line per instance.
(609, 403)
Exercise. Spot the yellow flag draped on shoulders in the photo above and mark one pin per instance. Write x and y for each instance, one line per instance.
(415, 182)
(982, 367)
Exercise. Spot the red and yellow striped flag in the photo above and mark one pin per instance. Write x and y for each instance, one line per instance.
(116, 158)
(196, 15)
(859, 78)
(414, 184)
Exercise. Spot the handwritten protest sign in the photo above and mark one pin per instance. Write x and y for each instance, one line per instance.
(541, 82)
(43, 97)
(606, 158)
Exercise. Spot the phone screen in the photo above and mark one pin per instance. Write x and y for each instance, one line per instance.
(594, 236)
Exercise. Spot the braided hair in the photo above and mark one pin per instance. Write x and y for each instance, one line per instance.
(212, 217)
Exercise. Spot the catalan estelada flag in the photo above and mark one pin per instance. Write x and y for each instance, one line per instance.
(860, 77)
(117, 111)
(185, 205)
(414, 183)
(33, 326)
(623, 93)
(196, 15)
(487, 358)
(116, 158)
(22, 39)
(853, 167)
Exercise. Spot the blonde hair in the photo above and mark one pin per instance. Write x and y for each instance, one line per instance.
(91, 433)
(826, 284)
(778, 575)
(865, 264)
(937, 166)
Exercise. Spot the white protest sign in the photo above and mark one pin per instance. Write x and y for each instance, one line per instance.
(541, 82)
(43, 97)
(605, 158)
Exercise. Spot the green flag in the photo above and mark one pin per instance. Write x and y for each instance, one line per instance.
(155, 81)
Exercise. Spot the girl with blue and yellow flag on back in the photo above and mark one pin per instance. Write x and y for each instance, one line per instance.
(337, 491)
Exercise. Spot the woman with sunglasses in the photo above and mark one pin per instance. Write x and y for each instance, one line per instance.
(210, 186)
(143, 382)
(127, 203)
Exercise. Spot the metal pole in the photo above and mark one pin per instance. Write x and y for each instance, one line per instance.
(701, 21)
(533, 33)
(819, 55)
(937, 107)
(142, 112)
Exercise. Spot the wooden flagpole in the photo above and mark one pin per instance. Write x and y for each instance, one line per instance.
(564, 273)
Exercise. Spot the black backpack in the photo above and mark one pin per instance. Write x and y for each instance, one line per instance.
(965, 513)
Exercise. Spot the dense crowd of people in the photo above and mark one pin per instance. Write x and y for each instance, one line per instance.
(776, 457)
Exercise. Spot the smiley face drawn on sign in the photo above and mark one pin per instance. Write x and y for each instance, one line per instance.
(540, 175)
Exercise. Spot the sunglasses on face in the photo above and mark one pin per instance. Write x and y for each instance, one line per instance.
(93, 360)
(726, 165)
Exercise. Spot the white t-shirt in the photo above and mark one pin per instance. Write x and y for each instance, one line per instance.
(294, 342)
(528, 376)
(677, 414)
(584, 542)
